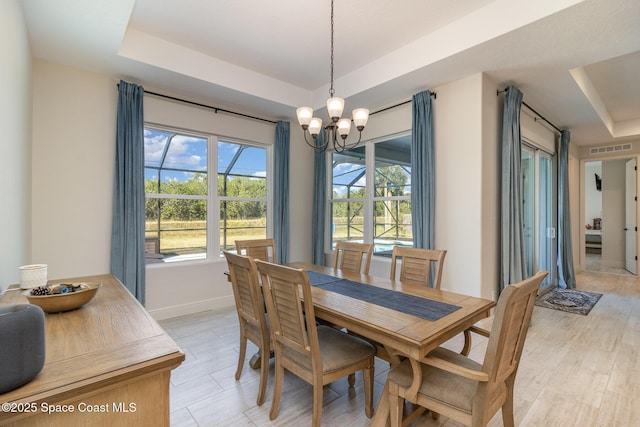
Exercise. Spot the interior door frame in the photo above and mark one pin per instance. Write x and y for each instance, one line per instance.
(581, 215)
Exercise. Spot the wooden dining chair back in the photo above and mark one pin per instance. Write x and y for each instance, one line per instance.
(459, 388)
(417, 264)
(353, 256)
(317, 354)
(253, 321)
(262, 249)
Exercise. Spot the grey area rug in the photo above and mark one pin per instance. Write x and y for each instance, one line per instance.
(569, 300)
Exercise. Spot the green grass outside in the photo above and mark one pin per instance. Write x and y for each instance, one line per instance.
(190, 237)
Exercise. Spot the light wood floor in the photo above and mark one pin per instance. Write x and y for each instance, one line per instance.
(576, 371)
(594, 263)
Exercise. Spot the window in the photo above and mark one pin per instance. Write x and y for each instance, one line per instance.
(371, 194)
(176, 187)
(180, 194)
(242, 187)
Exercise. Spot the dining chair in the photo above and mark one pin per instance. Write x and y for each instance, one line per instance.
(263, 249)
(416, 265)
(251, 315)
(317, 354)
(349, 256)
(460, 388)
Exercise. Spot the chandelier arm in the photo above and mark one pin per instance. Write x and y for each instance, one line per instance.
(314, 146)
(339, 144)
(346, 146)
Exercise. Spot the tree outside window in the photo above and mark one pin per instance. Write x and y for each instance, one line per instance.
(371, 194)
(179, 192)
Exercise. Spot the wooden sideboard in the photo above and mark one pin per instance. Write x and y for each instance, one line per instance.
(107, 363)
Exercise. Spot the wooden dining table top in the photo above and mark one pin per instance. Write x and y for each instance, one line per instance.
(410, 335)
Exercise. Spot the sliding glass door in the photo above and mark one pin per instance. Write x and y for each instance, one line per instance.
(539, 212)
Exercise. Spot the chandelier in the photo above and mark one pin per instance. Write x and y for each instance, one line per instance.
(338, 129)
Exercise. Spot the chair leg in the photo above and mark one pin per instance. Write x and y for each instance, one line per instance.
(351, 379)
(507, 406)
(264, 372)
(243, 352)
(367, 375)
(467, 343)
(277, 390)
(317, 403)
(396, 405)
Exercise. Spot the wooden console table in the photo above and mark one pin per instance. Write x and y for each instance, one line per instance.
(107, 363)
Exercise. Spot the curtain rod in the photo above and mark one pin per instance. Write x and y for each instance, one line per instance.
(433, 94)
(215, 109)
(498, 92)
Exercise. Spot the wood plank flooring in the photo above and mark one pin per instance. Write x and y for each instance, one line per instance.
(576, 370)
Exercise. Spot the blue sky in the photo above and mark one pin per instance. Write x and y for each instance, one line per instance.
(190, 153)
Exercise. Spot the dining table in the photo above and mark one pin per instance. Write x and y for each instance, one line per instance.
(408, 320)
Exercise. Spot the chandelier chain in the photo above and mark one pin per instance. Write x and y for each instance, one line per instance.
(337, 131)
(331, 91)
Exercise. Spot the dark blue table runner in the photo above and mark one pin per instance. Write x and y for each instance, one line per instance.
(405, 303)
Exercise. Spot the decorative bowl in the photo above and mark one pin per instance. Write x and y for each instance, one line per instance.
(57, 303)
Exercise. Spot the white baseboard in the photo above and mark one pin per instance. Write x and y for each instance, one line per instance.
(191, 308)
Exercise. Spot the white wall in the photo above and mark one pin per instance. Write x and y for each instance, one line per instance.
(15, 144)
(300, 195)
(74, 116)
(466, 184)
(492, 107)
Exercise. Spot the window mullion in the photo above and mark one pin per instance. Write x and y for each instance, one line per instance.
(213, 202)
(369, 210)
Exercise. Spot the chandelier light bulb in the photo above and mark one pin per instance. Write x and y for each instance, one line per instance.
(360, 117)
(344, 126)
(314, 126)
(304, 115)
(335, 106)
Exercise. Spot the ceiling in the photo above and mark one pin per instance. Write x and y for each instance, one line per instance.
(577, 62)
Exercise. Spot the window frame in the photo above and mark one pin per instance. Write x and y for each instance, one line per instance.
(213, 199)
(269, 183)
(369, 200)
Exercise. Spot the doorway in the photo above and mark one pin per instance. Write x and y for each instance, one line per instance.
(610, 231)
